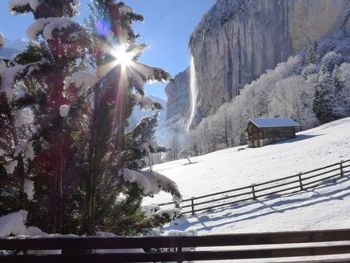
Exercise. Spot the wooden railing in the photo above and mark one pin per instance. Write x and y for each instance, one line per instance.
(284, 185)
(284, 245)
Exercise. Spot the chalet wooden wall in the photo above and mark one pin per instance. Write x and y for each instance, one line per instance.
(258, 137)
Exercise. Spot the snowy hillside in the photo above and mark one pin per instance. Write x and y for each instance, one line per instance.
(325, 207)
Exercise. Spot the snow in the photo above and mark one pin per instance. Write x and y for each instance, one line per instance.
(19, 3)
(144, 102)
(13, 223)
(24, 116)
(47, 25)
(29, 189)
(10, 167)
(2, 40)
(64, 110)
(331, 59)
(151, 182)
(29, 153)
(80, 79)
(25, 148)
(138, 178)
(150, 209)
(2, 67)
(170, 213)
(275, 122)
(180, 233)
(75, 4)
(124, 10)
(241, 166)
(7, 80)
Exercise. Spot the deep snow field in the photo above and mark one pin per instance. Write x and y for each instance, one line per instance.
(325, 207)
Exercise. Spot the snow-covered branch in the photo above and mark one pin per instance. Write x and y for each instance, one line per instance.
(84, 80)
(145, 102)
(23, 5)
(46, 26)
(152, 183)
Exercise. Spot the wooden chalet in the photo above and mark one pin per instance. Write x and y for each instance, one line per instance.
(261, 131)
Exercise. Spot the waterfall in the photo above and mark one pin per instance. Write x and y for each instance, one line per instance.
(193, 93)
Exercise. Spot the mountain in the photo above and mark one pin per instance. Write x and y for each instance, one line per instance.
(238, 40)
(12, 47)
(178, 103)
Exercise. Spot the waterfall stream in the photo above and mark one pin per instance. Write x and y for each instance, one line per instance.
(193, 93)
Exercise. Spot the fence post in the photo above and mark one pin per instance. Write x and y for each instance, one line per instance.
(341, 168)
(253, 191)
(192, 205)
(301, 182)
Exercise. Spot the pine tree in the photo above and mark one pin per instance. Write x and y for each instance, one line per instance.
(325, 97)
(341, 107)
(12, 176)
(311, 55)
(119, 89)
(338, 83)
(43, 68)
(79, 86)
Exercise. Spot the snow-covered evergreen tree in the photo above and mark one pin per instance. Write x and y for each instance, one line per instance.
(325, 97)
(12, 174)
(311, 56)
(66, 101)
(39, 88)
(113, 158)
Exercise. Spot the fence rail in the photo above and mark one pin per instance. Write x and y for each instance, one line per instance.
(276, 245)
(285, 185)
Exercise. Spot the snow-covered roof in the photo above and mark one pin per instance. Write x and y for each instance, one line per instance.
(273, 122)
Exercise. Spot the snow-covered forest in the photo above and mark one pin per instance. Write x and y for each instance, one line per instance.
(312, 87)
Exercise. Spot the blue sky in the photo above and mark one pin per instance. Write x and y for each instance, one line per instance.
(167, 28)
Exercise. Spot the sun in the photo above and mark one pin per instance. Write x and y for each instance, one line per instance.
(122, 56)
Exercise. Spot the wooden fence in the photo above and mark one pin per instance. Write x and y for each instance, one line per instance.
(284, 185)
(284, 245)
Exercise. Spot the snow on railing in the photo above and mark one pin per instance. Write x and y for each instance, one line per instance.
(332, 245)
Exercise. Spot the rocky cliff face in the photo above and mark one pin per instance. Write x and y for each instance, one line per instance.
(238, 40)
(178, 103)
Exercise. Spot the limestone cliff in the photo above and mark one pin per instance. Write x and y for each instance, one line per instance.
(178, 103)
(238, 40)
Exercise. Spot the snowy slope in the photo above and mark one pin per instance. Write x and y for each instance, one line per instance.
(324, 207)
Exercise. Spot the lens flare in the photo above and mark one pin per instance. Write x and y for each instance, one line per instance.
(103, 27)
(122, 56)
